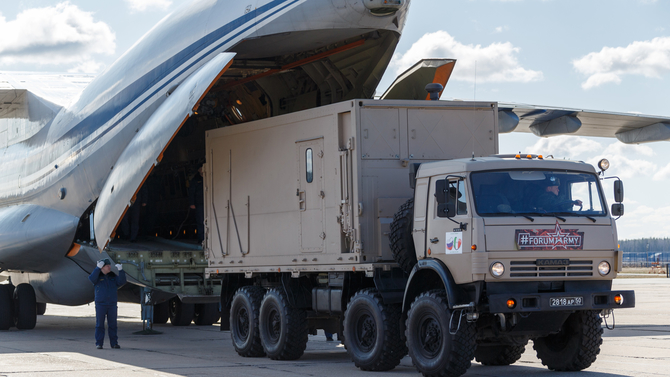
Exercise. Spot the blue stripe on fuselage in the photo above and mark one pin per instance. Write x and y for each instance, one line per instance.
(129, 94)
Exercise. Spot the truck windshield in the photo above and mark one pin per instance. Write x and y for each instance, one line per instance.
(536, 192)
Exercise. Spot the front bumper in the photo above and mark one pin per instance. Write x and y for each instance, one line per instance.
(541, 302)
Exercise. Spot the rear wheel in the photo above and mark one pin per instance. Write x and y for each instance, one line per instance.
(6, 307)
(433, 349)
(206, 314)
(501, 354)
(181, 314)
(283, 328)
(25, 307)
(41, 308)
(161, 313)
(244, 312)
(402, 243)
(372, 332)
(576, 346)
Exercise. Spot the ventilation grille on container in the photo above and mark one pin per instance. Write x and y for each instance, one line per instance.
(530, 269)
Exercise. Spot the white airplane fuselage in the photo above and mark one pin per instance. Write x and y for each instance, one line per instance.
(50, 179)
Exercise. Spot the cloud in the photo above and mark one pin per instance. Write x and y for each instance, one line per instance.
(88, 66)
(143, 5)
(583, 149)
(642, 221)
(500, 29)
(645, 58)
(663, 174)
(496, 62)
(61, 34)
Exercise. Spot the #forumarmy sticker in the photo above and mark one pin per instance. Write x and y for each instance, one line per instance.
(454, 243)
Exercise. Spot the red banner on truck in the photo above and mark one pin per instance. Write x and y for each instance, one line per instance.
(549, 239)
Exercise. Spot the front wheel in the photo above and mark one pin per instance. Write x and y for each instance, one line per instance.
(576, 346)
(25, 307)
(433, 349)
(6, 306)
(372, 332)
(283, 328)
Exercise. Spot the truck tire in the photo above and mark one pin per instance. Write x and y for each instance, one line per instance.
(41, 308)
(434, 351)
(498, 355)
(372, 332)
(283, 328)
(25, 307)
(575, 346)
(181, 314)
(6, 306)
(161, 313)
(402, 243)
(206, 314)
(244, 332)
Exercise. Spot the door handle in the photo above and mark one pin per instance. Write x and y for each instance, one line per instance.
(434, 240)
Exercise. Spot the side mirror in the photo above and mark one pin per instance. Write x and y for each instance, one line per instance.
(617, 209)
(441, 191)
(618, 192)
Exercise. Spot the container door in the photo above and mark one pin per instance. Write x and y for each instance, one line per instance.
(311, 195)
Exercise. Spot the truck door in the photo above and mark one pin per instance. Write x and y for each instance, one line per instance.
(449, 238)
(311, 195)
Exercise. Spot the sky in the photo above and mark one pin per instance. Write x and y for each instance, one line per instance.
(609, 55)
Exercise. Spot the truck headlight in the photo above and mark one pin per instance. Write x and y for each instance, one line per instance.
(497, 269)
(604, 268)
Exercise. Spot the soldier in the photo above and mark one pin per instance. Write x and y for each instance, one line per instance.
(549, 199)
(106, 284)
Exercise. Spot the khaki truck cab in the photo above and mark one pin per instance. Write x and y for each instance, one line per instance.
(505, 250)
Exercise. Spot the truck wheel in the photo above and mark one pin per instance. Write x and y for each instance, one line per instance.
(575, 346)
(402, 244)
(6, 307)
(206, 314)
(161, 313)
(181, 314)
(41, 308)
(372, 332)
(434, 351)
(283, 328)
(244, 332)
(498, 354)
(25, 307)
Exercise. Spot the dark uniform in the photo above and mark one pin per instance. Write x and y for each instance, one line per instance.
(196, 198)
(105, 304)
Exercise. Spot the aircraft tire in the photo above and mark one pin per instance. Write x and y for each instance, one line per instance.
(25, 307)
(6, 304)
(283, 328)
(402, 243)
(206, 314)
(161, 313)
(41, 308)
(372, 332)
(181, 314)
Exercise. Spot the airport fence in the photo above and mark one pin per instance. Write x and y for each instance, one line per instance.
(647, 259)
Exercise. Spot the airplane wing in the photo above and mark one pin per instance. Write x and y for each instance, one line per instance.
(544, 121)
(146, 149)
(411, 84)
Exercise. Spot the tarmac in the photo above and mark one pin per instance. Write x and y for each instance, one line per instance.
(62, 344)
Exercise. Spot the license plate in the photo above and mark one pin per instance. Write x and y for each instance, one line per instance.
(566, 301)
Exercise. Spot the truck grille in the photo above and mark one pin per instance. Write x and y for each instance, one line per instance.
(575, 268)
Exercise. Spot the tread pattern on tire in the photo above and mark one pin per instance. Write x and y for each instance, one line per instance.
(464, 341)
(25, 307)
(394, 349)
(499, 355)
(255, 294)
(401, 241)
(296, 331)
(589, 344)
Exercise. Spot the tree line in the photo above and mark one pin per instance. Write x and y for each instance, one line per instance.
(643, 245)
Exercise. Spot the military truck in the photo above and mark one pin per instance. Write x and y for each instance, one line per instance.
(387, 223)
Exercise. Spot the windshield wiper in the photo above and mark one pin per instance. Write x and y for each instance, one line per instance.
(578, 214)
(546, 214)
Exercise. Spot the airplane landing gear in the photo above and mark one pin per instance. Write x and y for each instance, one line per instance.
(6, 310)
(25, 307)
